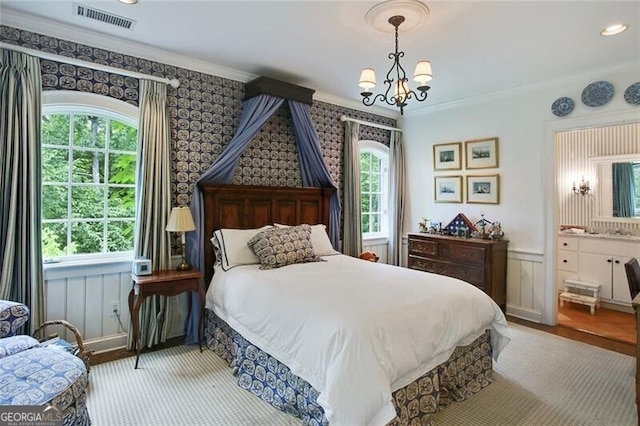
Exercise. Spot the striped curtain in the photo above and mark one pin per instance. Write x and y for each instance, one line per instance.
(153, 204)
(21, 278)
(624, 192)
(352, 238)
(396, 198)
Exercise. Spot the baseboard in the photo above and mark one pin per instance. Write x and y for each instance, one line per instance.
(524, 313)
(617, 307)
(106, 344)
(122, 352)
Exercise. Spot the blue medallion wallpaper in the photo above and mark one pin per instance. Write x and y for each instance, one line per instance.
(205, 112)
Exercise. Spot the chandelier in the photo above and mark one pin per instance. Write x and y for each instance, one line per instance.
(396, 78)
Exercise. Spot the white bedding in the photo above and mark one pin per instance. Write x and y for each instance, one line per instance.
(355, 330)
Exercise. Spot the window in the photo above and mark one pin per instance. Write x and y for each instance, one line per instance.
(89, 157)
(636, 180)
(374, 159)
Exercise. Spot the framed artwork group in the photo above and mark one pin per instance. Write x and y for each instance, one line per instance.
(478, 154)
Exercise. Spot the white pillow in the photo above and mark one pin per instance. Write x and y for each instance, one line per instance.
(234, 250)
(319, 240)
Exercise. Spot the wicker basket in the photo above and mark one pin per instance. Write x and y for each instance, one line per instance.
(78, 349)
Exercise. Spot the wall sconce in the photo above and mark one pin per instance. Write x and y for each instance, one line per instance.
(582, 189)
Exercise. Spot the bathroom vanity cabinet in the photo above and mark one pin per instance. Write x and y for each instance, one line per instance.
(598, 260)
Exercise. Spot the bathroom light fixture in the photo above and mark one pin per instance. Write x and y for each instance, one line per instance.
(128, 1)
(582, 189)
(396, 78)
(614, 29)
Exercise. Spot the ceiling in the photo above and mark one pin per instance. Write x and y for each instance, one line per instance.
(475, 47)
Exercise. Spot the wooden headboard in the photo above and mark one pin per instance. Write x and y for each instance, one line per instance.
(244, 206)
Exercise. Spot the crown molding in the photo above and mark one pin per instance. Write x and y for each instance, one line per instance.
(353, 104)
(55, 29)
(595, 73)
(63, 31)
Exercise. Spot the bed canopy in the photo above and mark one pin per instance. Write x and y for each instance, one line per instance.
(263, 98)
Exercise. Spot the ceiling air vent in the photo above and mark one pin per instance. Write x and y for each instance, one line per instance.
(102, 16)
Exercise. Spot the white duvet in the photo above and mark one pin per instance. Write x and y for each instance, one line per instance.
(355, 330)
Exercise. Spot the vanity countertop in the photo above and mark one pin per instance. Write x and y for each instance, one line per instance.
(602, 236)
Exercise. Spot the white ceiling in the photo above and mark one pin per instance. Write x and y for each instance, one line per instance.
(476, 47)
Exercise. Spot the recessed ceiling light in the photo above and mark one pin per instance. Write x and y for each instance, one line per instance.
(128, 1)
(614, 29)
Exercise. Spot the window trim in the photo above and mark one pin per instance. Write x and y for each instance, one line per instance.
(378, 149)
(68, 101)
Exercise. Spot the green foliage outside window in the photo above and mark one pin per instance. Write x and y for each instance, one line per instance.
(89, 172)
(371, 169)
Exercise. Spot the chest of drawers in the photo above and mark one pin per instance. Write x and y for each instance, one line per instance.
(482, 263)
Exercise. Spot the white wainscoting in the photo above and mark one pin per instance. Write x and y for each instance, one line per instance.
(525, 283)
(83, 295)
(378, 246)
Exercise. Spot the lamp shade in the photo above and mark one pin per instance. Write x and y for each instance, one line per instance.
(367, 78)
(423, 73)
(180, 220)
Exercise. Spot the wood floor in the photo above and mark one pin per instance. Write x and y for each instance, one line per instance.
(605, 322)
(608, 329)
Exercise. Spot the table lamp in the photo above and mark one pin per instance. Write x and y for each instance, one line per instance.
(181, 221)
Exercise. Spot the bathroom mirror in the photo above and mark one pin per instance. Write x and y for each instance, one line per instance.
(609, 198)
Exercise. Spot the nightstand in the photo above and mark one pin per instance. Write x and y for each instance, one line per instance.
(163, 283)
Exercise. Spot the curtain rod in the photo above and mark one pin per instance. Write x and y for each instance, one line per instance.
(79, 62)
(367, 123)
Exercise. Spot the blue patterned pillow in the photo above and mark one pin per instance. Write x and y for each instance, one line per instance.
(280, 247)
(12, 316)
(15, 344)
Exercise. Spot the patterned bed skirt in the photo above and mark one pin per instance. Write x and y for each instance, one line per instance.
(468, 370)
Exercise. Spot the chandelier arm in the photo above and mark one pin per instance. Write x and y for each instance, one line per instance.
(390, 100)
(368, 101)
(420, 95)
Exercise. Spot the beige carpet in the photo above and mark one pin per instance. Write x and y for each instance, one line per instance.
(540, 379)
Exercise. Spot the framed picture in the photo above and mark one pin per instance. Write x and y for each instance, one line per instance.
(483, 189)
(481, 153)
(447, 189)
(446, 156)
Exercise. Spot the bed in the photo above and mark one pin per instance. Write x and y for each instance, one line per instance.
(338, 340)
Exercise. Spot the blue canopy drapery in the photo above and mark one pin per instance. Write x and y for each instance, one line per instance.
(313, 168)
(257, 111)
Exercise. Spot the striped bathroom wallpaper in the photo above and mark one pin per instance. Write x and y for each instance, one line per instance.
(573, 152)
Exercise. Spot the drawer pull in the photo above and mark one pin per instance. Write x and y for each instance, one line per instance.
(617, 261)
(565, 244)
(609, 260)
(565, 261)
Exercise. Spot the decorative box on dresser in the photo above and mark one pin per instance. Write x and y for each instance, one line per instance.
(482, 263)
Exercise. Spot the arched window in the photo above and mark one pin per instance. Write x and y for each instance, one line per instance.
(89, 164)
(374, 189)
